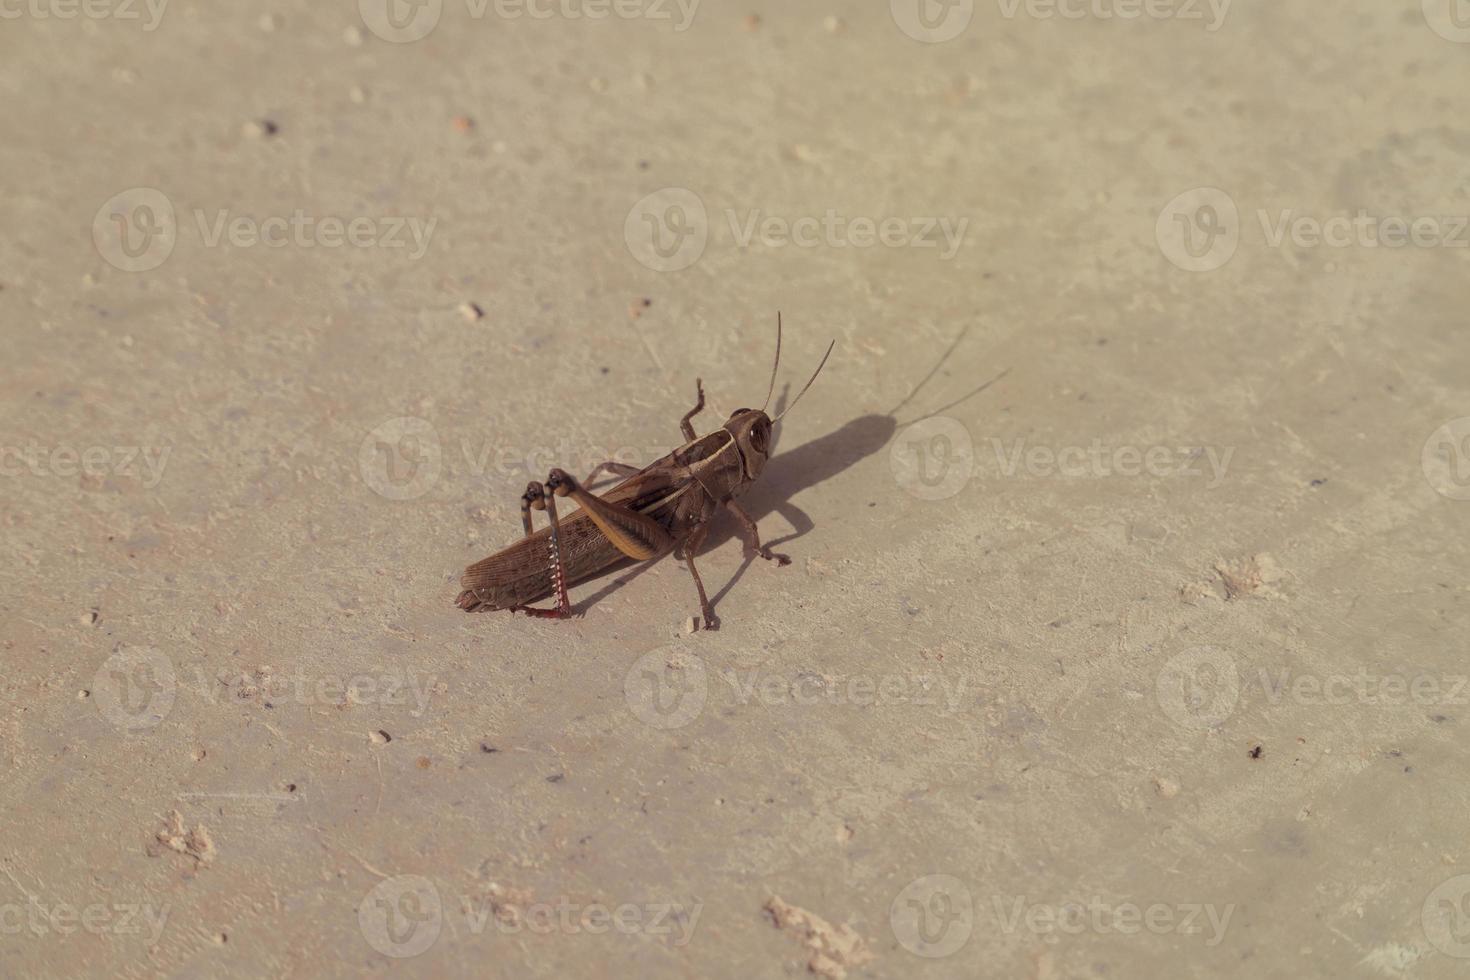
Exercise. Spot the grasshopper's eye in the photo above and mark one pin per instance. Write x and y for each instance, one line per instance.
(760, 436)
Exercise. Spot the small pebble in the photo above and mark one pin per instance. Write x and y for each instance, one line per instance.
(260, 128)
(691, 625)
(752, 22)
(462, 124)
(1167, 787)
(471, 311)
(381, 737)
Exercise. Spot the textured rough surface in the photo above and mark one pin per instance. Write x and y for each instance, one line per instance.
(1001, 715)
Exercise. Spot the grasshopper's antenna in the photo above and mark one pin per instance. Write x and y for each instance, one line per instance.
(777, 364)
(809, 382)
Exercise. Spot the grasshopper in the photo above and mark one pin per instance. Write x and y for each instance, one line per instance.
(667, 506)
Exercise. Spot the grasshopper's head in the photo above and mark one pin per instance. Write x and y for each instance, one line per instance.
(751, 430)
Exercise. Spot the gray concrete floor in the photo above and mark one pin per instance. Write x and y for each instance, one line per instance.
(1146, 661)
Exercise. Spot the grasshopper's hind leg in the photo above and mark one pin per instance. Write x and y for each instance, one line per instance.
(536, 498)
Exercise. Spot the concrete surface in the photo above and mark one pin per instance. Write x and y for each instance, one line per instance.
(1146, 661)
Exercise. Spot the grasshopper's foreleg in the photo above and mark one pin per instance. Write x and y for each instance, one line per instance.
(611, 466)
(536, 498)
(691, 544)
(684, 424)
(753, 535)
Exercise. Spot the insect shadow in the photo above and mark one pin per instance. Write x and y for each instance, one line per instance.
(809, 465)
